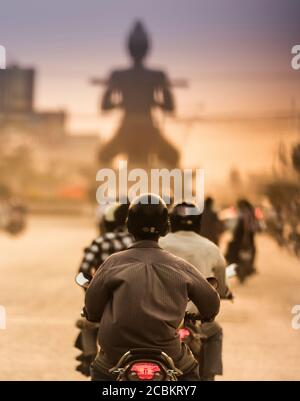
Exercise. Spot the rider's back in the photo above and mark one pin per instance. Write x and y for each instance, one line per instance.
(196, 249)
(140, 296)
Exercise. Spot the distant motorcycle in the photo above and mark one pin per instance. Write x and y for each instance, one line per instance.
(12, 218)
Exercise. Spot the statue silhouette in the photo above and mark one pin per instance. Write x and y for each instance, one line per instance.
(138, 90)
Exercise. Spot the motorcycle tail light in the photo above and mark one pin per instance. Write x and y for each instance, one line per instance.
(145, 370)
(258, 213)
(183, 333)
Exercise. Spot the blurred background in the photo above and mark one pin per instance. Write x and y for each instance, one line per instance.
(236, 114)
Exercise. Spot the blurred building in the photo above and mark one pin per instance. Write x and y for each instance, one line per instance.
(17, 111)
(16, 90)
(19, 115)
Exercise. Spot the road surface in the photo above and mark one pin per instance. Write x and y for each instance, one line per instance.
(42, 303)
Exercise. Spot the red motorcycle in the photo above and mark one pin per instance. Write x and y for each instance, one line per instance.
(145, 364)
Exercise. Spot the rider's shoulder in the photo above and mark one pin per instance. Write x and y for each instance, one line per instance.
(103, 238)
(175, 260)
(213, 250)
(208, 243)
(115, 258)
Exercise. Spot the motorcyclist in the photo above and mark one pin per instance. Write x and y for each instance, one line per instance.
(211, 226)
(186, 242)
(241, 249)
(140, 295)
(12, 212)
(115, 238)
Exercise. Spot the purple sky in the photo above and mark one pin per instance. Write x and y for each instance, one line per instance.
(219, 45)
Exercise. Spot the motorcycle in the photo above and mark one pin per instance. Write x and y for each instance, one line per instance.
(139, 364)
(189, 334)
(86, 340)
(193, 333)
(145, 364)
(12, 218)
(152, 364)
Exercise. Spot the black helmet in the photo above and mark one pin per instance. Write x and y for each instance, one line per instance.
(185, 216)
(121, 214)
(114, 217)
(148, 217)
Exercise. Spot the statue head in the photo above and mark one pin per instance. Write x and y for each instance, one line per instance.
(138, 42)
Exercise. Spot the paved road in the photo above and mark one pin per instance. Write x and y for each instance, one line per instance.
(42, 302)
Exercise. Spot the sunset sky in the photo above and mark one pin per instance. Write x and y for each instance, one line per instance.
(235, 54)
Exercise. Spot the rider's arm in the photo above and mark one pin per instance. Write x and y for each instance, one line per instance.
(97, 295)
(219, 270)
(91, 259)
(203, 295)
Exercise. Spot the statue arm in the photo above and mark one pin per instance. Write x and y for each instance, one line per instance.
(167, 102)
(106, 103)
(111, 98)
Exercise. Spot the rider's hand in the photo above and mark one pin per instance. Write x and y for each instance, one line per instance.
(228, 295)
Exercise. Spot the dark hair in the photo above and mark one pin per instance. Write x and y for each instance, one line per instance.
(121, 214)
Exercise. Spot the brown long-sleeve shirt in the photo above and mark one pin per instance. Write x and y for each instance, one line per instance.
(140, 296)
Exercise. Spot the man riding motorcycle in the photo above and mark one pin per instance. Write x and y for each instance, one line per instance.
(140, 295)
(186, 242)
(212, 227)
(241, 249)
(115, 238)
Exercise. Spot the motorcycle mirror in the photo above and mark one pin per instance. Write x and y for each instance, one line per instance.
(231, 270)
(213, 282)
(82, 280)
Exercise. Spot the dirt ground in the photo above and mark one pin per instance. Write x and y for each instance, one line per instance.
(42, 303)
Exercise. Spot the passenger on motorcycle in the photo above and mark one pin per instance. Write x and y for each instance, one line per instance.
(140, 295)
(115, 238)
(186, 242)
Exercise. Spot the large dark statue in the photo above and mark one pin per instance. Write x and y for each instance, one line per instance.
(139, 90)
